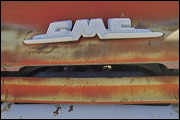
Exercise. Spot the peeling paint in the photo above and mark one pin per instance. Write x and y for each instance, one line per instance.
(55, 113)
(70, 108)
(6, 108)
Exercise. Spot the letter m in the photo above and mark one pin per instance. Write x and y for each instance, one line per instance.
(88, 28)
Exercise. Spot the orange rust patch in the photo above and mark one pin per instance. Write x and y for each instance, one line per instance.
(170, 90)
(8, 56)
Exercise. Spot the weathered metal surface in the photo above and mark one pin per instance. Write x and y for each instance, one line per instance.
(84, 111)
(20, 21)
(125, 90)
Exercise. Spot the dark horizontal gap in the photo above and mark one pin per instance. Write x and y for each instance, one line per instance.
(93, 71)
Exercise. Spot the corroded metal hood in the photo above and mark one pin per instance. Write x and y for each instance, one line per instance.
(20, 22)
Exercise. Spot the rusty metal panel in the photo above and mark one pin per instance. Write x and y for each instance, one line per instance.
(20, 22)
(125, 90)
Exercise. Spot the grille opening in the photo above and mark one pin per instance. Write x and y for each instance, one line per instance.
(92, 71)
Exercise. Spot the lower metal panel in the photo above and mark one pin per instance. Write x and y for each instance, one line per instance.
(76, 111)
(124, 90)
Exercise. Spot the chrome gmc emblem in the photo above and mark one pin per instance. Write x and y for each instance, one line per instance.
(118, 28)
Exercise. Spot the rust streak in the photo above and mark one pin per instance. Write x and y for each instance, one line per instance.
(6, 95)
(175, 95)
(148, 80)
(51, 49)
